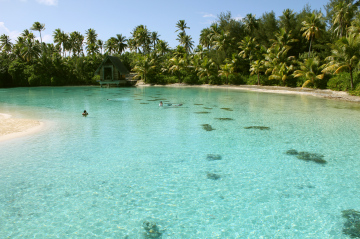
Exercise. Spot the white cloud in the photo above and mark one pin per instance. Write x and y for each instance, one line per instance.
(12, 34)
(48, 2)
(209, 15)
(47, 38)
(238, 18)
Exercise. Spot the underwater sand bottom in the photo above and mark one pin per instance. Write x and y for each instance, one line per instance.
(11, 128)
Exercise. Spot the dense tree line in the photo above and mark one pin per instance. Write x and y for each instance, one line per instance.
(306, 48)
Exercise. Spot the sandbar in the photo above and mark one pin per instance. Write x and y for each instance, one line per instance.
(11, 128)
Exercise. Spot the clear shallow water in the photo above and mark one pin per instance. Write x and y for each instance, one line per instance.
(131, 161)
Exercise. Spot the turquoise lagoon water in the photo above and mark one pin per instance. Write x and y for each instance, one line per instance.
(131, 163)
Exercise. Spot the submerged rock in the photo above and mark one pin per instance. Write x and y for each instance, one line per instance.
(306, 156)
(207, 127)
(224, 118)
(202, 112)
(213, 176)
(352, 224)
(228, 109)
(212, 157)
(208, 108)
(198, 104)
(314, 157)
(292, 152)
(151, 230)
(257, 127)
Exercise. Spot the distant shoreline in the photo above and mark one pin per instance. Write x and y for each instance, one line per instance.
(11, 128)
(326, 93)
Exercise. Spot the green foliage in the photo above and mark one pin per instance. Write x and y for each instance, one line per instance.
(17, 71)
(253, 80)
(356, 91)
(237, 79)
(341, 81)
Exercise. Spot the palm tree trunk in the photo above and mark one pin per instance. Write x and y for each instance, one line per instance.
(310, 47)
(351, 79)
(258, 76)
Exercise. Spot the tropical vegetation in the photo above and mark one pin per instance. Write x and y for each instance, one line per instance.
(309, 48)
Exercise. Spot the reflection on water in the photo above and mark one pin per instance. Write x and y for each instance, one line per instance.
(134, 170)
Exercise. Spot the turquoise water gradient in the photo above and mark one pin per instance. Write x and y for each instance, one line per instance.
(132, 161)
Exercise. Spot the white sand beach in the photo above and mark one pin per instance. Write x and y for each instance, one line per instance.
(13, 128)
(330, 94)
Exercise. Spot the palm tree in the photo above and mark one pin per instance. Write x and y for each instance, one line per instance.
(37, 26)
(313, 27)
(140, 39)
(31, 50)
(91, 38)
(188, 43)
(256, 67)
(226, 70)
(5, 43)
(27, 34)
(283, 38)
(162, 47)
(251, 23)
(176, 65)
(287, 20)
(100, 44)
(345, 55)
(248, 47)
(120, 43)
(110, 45)
(310, 69)
(143, 66)
(207, 68)
(181, 25)
(60, 38)
(221, 41)
(154, 39)
(205, 36)
(343, 15)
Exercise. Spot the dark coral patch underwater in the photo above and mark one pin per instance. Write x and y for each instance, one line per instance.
(207, 127)
(202, 112)
(213, 176)
(306, 156)
(257, 127)
(224, 119)
(352, 224)
(212, 157)
(227, 109)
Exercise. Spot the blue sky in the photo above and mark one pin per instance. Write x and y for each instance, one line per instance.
(111, 17)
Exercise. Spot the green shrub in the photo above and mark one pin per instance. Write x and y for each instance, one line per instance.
(237, 79)
(191, 79)
(57, 81)
(356, 91)
(215, 80)
(340, 82)
(253, 80)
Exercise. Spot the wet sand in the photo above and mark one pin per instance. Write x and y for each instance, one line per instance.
(13, 128)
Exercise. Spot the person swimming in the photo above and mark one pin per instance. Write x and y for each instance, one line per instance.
(161, 103)
(85, 113)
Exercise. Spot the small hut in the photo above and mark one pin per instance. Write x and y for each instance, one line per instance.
(113, 71)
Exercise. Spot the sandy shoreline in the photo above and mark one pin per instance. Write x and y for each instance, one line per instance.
(11, 128)
(330, 94)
